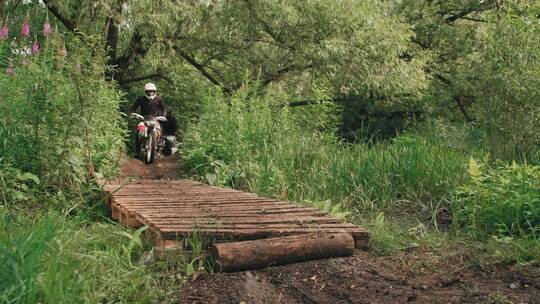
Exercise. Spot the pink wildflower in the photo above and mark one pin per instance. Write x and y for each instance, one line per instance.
(35, 47)
(9, 71)
(24, 61)
(47, 28)
(4, 31)
(25, 30)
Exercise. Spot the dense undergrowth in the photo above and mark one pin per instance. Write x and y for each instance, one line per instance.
(258, 144)
(51, 257)
(60, 128)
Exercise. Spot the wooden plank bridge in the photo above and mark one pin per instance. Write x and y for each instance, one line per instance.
(174, 209)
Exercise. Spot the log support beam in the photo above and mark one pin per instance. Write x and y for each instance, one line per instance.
(262, 253)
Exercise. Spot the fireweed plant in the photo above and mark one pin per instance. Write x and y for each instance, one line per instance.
(60, 115)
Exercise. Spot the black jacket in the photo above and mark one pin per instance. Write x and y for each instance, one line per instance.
(154, 107)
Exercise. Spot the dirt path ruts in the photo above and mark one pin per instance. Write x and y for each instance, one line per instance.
(417, 277)
(164, 167)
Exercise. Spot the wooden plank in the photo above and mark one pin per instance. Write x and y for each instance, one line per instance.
(218, 205)
(165, 194)
(307, 220)
(224, 213)
(156, 201)
(233, 215)
(258, 226)
(175, 188)
(173, 208)
(210, 213)
(156, 181)
(174, 213)
(194, 191)
(168, 233)
(210, 206)
(166, 185)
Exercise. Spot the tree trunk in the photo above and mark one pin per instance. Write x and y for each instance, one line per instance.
(281, 250)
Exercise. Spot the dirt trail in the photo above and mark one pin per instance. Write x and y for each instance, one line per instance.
(419, 276)
(164, 167)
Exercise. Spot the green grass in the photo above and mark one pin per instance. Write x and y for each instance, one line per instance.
(53, 259)
(393, 188)
(50, 258)
(252, 146)
(502, 200)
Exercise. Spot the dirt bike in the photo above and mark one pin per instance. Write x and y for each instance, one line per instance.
(149, 136)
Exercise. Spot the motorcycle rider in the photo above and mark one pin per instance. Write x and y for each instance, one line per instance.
(151, 104)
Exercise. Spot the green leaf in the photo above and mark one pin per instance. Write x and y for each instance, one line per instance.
(210, 178)
(18, 195)
(28, 177)
(190, 269)
(474, 168)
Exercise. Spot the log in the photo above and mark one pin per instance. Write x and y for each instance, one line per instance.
(280, 251)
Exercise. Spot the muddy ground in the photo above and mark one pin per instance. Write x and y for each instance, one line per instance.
(418, 276)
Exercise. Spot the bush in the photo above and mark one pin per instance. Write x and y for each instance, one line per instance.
(61, 116)
(258, 144)
(51, 259)
(503, 76)
(501, 201)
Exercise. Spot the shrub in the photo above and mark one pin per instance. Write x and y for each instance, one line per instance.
(258, 144)
(48, 258)
(501, 201)
(60, 115)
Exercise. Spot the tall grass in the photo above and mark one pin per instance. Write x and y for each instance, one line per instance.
(55, 260)
(258, 144)
(60, 116)
(502, 201)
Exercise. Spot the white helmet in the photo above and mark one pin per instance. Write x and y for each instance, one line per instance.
(150, 87)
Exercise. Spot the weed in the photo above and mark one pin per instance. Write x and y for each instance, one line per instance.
(503, 201)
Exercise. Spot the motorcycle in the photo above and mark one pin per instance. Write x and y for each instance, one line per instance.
(149, 136)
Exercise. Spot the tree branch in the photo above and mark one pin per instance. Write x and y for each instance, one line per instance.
(134, 49)
(282, 72)
(267, 29)
(201, 68)
(308, 102)
(459, 99)
(463, 14)
(163, 76)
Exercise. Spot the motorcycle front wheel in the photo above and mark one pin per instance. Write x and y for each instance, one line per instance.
(150, 149)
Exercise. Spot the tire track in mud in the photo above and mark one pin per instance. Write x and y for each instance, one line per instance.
(412, 277)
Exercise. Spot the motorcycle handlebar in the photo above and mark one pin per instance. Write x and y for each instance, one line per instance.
(136, 115)
(139, 116)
